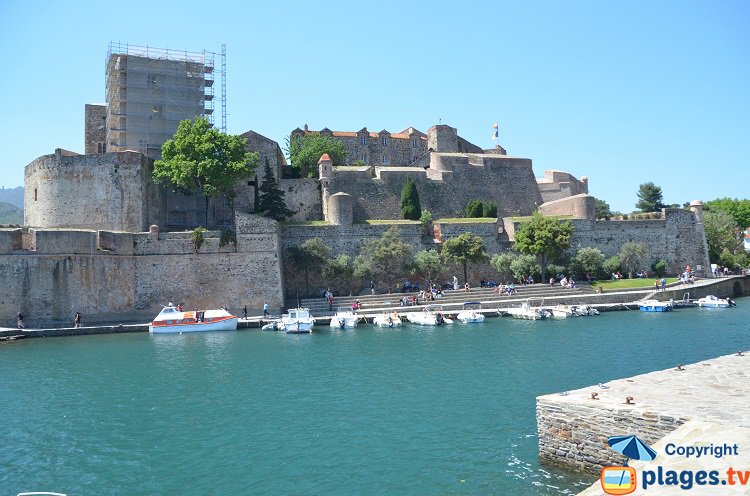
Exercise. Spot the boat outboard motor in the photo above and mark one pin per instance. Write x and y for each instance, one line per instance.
(731, 302)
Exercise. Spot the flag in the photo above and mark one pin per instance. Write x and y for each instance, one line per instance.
(496, 132)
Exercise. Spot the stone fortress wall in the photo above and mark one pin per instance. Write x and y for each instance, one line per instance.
(113, 276)
(556, 185)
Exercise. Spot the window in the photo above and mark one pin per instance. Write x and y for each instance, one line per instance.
(34, 194)
(363, 157)
(414, 142)
(385, 160)
(363, 140)
(384, 140)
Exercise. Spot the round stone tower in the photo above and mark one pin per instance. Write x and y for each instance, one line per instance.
(341, 209)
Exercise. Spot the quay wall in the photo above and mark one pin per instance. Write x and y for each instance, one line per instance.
(126, 277)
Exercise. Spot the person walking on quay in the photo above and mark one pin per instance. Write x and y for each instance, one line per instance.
(77, 320)
(244, 312)
(265, 309)
(663, 283)
(20, 321)
(372, 287)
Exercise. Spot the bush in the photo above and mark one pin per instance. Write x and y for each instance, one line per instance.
(612, 264)
(198, 238)
(410, 208)
(489, 210)
(474, 209)
(660, 268)
(553, 270)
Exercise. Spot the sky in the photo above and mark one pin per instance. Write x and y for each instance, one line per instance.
(621, 92)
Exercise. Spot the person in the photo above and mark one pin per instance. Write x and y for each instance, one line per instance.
(179, 307)
(244, 312)
(551, 281)
(372, 287)
(466, 286)
(265, 309)
(77, 320)
(531, 279)
(455, 283)
(656, 285)
(330, 301)
(663, 283)
(20, 320)
(171, 303)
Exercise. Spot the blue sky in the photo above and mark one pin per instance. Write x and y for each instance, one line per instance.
(621, 92)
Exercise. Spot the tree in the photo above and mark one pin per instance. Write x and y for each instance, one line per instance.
(545, 237)
(612, 264)
(385, 259)
(427, 265)
(339, 271)
(602, 209)
(633, 256)
(312, 254)
(525, 265)
(271, 199)
(425, 219)
(200, 157)
(502, 262)
(305, 152)
(489, 210)
(587, 260)
(649, 198)
(738, 209)
(465, 248)
(410, 208)
(474, 209)
(722, 234)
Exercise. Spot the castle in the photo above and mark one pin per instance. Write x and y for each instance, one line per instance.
(100, 237)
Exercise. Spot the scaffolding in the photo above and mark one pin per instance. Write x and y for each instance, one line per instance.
(150, 90)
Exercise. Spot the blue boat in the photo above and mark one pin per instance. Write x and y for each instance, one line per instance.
(656, 306)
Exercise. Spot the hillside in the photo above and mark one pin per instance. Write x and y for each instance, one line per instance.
(10, 214)
(14, 196)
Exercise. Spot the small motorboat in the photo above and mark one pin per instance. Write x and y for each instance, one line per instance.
(275, 325)
(431, 315)
(172, 320)
(470, 313)
(387, 320)
(297, 321)
(712, 301)
(656, 306)
(527, 312)
(585, 310)
(344, 319)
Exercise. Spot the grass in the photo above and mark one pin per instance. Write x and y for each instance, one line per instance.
(614, 285)
(466, 220)
(389, 221)
(307, 223)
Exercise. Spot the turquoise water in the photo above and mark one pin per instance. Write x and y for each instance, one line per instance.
(446, 410)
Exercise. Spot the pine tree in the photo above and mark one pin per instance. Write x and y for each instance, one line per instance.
(410, 208)
(271, 200)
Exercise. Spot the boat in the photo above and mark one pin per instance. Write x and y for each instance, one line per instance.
(470, 313)
(562, 312)
(431, 315)
(274, 325)
(584, 310)
(387, 320)
(172, 320)
(656, 306)
(712, 301)
(527, 312)
(344, 319)
(297, 321)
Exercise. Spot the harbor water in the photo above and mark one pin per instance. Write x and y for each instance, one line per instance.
(415, 410)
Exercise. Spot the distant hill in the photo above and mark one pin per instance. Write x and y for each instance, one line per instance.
(10, 214)
(14, 196)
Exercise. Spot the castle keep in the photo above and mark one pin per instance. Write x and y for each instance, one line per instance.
(100, 237)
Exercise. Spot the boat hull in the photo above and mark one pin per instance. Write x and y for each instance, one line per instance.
(655, 308)
(385, 321)
(229, 324)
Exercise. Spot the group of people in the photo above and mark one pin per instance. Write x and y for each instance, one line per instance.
(568, 282)
(506, 288)
(328, 295)
(21, 324)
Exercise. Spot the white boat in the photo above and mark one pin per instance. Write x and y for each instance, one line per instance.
(584, 310)
(470, 313)
(172, 320)
(527, 312)
(297, 321)
(344, 319)
(274, 325)
(656, 306)
(712, 301)
(387, 320)
(562, 312)
(431, 315)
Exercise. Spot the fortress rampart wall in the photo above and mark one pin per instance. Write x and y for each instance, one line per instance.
(558, 184)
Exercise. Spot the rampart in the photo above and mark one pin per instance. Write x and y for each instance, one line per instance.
(112, 191)
(125, 277)
(558, 184)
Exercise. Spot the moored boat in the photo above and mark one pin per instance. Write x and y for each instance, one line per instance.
(656, 306)
(431, 315)
(470, 313)
(172, 320)
(712, 301)
(527, 312)
(297, 321)
(387, 320)
(344, 319)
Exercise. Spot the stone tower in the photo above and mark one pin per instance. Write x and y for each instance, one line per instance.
(325, 175)
(442, 138)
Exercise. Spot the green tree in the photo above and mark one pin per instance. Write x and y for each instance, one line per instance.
(464, 249)
(612, 264)
(410, 208)
(474, 209)
(305, 152)
(311, 255)
(427, 265)
(201, 158)
(271, 199)
(738, 209)
(489, 210)
(339, 272)
(722, 234)
(525, 265)
(660, 268)
(602, 209)
(502, 262)
(425, 219)
(633, 256)
(587, 260)
(545, 237)
(386, 259)
(649, 198)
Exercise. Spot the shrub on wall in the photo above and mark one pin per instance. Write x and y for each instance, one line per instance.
(410, 208)
(474, 209)
(198, 238)
(660, 268)
(489, 210)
